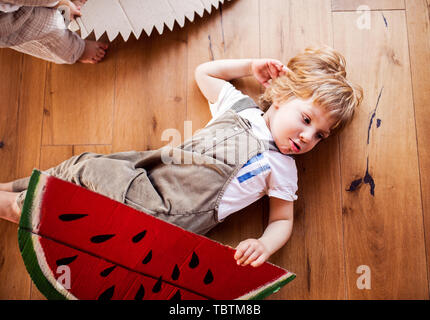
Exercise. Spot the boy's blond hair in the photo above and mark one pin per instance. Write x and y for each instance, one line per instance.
(319, 74)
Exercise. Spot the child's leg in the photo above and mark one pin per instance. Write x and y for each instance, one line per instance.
(9, 209)
(6, 186)
(12, 194)
(57, 171)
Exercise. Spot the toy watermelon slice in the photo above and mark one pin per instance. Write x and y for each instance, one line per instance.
(77, 244)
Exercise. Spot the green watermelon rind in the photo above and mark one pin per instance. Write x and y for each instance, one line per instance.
(275, 287)
(27, 246)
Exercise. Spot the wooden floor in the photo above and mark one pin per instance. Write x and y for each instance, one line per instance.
(364, 196)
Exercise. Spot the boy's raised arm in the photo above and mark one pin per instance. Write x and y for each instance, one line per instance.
(211, 76)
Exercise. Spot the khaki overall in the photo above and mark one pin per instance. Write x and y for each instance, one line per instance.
(182, 185)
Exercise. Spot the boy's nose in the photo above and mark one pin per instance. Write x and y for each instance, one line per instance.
(304, 137)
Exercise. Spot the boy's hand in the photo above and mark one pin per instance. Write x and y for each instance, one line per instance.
(251, 251)
(73, 9)
(265, 70)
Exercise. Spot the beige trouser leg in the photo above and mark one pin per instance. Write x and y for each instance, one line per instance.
(21, 185)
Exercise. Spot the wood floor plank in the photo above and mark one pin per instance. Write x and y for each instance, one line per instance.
(150, 95)
(79, 103)
(347, 5)
(32, 100)
(102, 149)
(383, 223)
(205, 43)
(312, 253)
(52, 156)
(418, 19)
(10, 84)
(14, 281)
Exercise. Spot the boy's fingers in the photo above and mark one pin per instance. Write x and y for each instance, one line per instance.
(280, 65)
(283, 71)
(259, 261)
(251, 258)
(273, 71)
(245, 256)
(240, 249)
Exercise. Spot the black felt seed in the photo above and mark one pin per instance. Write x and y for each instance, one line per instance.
(176, 296)
(175, 273)
(65, 261)
(148, 257)
(107, 271)
(101, 238)
(139, 236)
(140, 293)
(107, 294)
(194, 261)
(157, 286)
(71, 216)
(209, 277)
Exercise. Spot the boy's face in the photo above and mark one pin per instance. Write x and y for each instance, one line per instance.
(297, 125)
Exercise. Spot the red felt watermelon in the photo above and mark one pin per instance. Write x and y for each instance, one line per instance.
(77, 244)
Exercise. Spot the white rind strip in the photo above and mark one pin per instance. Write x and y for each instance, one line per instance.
(35, 206)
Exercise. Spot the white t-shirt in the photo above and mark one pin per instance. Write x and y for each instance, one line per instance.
(270, 172)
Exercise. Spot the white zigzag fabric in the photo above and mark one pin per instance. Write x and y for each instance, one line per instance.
(132, 16)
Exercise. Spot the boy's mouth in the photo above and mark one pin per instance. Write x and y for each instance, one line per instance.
(295, 146)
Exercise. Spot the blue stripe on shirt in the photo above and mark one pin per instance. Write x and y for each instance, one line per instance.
(253, 173)
(254, 159)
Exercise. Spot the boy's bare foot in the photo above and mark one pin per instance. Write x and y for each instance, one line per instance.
(9, 209)
(6, 186)
(94, 52)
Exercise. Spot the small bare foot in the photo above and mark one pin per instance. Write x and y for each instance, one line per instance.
(94, 52)
(6, 186)
(9, 209)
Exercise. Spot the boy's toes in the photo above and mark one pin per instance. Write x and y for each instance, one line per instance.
(102, 45)
(94, 52)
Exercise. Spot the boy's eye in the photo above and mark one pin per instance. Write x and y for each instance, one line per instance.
(320, 136)
(307, 120)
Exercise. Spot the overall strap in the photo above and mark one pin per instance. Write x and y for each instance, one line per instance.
(247, 103)
(244, 103)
